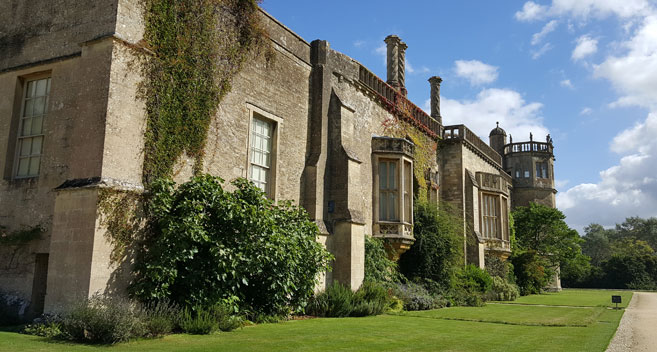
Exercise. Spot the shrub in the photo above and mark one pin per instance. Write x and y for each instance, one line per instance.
(208, 245)
(530, 272)
(469, 286)
(502, 290)
(335, 301)
(102, 319)
(161, 317)
(340, 301)
(370, 299)
(198, 321)
(437, 246)
(47, 325)
(474, 279)
(415, 297)
(378, 268)
(224, 313)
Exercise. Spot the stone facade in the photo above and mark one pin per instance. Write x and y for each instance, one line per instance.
(327, 115)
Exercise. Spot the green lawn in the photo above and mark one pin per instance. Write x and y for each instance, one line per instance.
(516, 314)
(496, 327)
(577, 297)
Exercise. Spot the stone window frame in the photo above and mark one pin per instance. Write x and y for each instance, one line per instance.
(277, 123)
(542, 172)
(404, 226)
(13, 159)
(501, 203)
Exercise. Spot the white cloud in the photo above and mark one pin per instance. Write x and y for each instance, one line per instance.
(531, 11)
(626, 189)
(547, 29)
(600, 8)
(359, 43)
(586, 111)
(634, 73)
(585, 9)
(476, 72)
(566, 83)
(505, 106)
(544, 49)
(586, 46)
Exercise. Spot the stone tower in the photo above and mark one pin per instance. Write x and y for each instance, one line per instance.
(531, 165)
(498, 139)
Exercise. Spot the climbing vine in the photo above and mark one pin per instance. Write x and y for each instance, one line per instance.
(197, 47)
(122, 214)
(425, 150)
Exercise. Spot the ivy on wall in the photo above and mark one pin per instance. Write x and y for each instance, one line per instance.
(198, 46)
(425, 150)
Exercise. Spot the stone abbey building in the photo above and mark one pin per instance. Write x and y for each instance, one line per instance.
(342, 142)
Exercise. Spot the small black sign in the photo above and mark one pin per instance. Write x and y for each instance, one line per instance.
(616, 299)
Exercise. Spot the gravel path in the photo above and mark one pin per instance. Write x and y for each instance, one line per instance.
(638, 328)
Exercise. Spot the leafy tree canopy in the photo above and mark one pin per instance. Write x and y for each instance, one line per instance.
(542, 229)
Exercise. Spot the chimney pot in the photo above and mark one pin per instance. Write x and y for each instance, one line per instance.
(435, 98)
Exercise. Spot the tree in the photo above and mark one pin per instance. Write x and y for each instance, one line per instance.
(543, 229)
(640, 229)
(597, 243)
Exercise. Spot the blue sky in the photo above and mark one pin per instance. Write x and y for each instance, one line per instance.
(584, 71)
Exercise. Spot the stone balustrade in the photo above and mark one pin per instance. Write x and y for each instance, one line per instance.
(528, 147)
(461, 132)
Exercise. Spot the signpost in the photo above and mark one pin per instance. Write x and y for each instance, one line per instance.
(616, 299)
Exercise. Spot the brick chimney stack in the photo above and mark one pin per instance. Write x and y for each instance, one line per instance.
(396, 63)
(435, 98)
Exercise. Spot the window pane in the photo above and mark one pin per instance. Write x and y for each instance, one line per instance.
(36, 145)
(41, 87)
(29, 108)
(34, 165)
(383, 175)
(392, 176)
(48, 87)
(39, 106)
(37, 125)
(25, 146)
(30, 89)
(22, 166)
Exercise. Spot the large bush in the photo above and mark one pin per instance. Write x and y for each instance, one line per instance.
(437, 247)
(208, 244)
(378, 268)
(470, 285)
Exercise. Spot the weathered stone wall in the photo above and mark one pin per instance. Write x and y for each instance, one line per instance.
(70, 42)
(279, 90)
